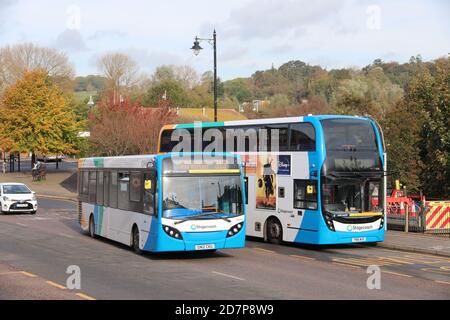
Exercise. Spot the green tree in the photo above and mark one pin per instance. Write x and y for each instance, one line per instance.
(35, 117)
(239, 89)
(167, 90)
(430, 97)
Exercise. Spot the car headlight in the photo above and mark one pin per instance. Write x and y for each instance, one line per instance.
(235, 230)
(33, 197)
(172, 232)
(5, 198)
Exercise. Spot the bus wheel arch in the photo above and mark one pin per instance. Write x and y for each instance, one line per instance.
(273, 230)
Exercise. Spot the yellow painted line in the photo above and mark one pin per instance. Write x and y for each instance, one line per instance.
(264, 250)
(301, 257)
(28, 274)
(443, 282)
(9, 272)
(56, 285)
(85, 296)
(346, 265)
(18, 272)
(398, 274)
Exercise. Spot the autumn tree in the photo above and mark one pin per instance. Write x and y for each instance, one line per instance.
(126, 128)
(121, 73)
(35, 117)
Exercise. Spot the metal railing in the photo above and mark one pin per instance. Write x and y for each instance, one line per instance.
(430, 217)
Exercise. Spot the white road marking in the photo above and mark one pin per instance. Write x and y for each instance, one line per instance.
(227, 275)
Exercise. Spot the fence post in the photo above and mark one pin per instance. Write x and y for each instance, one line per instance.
(406, 218)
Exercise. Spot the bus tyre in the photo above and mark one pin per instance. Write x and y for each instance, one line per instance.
(92, 227)
(274, 231)
(136, 240)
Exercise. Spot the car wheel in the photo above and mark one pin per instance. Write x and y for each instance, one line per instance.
(274, 231)
(33, 212)
(135, 241)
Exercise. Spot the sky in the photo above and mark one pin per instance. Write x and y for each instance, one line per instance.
(251, 34)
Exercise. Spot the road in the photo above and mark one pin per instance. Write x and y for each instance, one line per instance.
(35, 252)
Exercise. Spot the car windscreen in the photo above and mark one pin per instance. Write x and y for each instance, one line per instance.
(15, 189)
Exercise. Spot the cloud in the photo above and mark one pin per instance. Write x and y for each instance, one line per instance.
(267, 18)
(234, 53)
(101, 34)
(282, 48)
(70, 40)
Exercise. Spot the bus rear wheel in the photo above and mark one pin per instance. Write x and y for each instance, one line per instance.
(136, 240)
(274, 231)
(92, 227)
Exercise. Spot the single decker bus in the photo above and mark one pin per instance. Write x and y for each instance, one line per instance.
(162, 203)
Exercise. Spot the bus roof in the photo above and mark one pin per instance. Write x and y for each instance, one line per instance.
(133, 162)
(261, 121)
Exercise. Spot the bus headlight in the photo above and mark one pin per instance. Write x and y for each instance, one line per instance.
(329, 222)
(172, 232)
(235, 230)
(381, 223)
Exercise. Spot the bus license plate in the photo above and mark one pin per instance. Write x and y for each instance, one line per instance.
(362, 239)
(205, 247)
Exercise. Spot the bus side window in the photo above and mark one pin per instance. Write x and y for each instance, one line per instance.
(124, 190)
(106, 188)
(135, 191)
(113, 190)
(303, 137)
(92, 186)
(278, 137)
(100, 188)
(85, 183)
(305, 194)
(149, 194)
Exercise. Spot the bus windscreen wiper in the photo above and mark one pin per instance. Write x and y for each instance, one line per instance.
(202, 215)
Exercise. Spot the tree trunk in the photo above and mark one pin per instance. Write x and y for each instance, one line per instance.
(33, 159)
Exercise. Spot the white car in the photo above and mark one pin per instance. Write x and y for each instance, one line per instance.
(17, 197)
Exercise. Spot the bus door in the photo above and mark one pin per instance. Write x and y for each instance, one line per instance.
(150, 211)
(289, 216)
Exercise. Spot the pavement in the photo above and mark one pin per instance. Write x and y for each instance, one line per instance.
(62, 185)
(46, 244)
(59, 184)
(417, 242)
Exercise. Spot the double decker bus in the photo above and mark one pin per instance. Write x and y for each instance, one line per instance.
(312, 179)
(162, 203)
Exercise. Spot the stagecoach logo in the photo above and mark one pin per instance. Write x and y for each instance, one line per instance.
(195, 227)
(359, 227)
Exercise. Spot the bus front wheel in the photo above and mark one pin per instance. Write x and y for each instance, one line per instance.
(92, 227)
(274, 231)
(135, 240)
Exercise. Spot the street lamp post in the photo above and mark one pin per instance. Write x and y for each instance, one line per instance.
(196, 48)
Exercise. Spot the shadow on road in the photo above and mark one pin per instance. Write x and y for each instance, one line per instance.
(182, 255)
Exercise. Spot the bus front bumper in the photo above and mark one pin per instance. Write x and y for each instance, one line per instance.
(201, 241)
